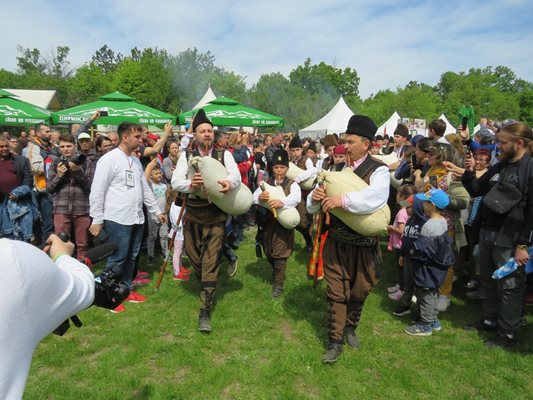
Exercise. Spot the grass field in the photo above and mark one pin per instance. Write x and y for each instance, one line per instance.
(271, 349)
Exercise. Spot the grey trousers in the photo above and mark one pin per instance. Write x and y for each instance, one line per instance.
(503, 298)
(155, 228)
(426, 300)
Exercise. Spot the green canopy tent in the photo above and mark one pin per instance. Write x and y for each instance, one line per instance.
(120, 107)
(228, 112)
(18, 112)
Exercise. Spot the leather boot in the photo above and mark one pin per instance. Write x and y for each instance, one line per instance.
(204, 321)
(351, 338)
(334, 351)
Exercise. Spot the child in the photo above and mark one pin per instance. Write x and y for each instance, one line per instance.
(432, 255)
(339, 158)
(395, 239)
(154, 176)
(277, 240)
(180, 272)
(417, 218)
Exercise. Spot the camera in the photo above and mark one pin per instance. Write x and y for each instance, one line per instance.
(103, 113)
(109, 290)
(78, 159)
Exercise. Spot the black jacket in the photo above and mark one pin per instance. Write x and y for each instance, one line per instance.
(432, 256)
(515, 227)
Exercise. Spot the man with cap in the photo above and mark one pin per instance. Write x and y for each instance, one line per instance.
(204, 222)
(328, 142)
(277, 240)
(85, 146)
(351, 260)
(301, 161)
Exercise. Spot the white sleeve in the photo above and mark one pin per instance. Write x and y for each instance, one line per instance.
(255, 197)
(294, 198)
(99, 186)
(234, 176)
(373, 197)
(310, 171)
(179, 177)
(185, 140)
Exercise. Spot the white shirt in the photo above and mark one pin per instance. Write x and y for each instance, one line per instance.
(111, 199)
(181, 183)
(36, 296)
(291, 201)
(365, 201)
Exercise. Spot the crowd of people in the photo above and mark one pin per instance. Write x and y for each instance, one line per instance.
(462, 206)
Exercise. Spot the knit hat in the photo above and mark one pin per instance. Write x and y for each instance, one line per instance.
(339, 150)
(361, 125)
(280, 157)
(200, 118)
(295, 143)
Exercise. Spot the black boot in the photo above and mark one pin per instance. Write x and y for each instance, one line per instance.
(334, 351)
(276, 291)
(351, 338)
(204, 321)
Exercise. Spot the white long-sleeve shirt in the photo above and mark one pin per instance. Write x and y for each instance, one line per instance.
(290, 201)
(181, 183)
(36, 296)
(365, 201)
(112, 199)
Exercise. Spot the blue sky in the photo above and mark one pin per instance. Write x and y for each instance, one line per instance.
(388, 42)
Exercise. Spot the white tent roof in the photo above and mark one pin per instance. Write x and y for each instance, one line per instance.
(390, 125)
(42, 98)
(335, 121)
(449, 127)
(208, 96)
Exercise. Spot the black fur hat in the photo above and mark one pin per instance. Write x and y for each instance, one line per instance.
(296, 142)
(200, 118)
(361, 125)
(280, 157)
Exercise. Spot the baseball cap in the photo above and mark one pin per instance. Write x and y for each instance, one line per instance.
(152, 136)
(408, 202)
(84, 135)
(436, 196)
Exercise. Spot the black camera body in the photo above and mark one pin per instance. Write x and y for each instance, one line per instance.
(78, 159)
(109, 290)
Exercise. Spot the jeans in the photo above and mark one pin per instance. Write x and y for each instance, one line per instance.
(43, 202)
(128, 239)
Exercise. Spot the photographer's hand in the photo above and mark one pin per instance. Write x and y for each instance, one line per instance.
(61, 169)
(56, 247)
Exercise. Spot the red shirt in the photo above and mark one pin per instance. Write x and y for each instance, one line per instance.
(8, 177)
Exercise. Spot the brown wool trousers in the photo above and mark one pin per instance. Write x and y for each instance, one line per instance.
(203, 244)
(350, 276)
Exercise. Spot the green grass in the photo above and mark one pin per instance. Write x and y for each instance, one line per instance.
(271, 349)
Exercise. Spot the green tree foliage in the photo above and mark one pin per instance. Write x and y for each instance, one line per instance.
(174, 83)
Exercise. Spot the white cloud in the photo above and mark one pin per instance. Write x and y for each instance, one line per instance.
(389, 43)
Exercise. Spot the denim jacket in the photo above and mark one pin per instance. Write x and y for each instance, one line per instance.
(17, 216)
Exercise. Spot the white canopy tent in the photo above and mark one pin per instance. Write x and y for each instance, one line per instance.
(390, 125)
(449, 127)
(335, 121)
(208, 96)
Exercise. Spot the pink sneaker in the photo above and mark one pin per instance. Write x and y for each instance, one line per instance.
(135, 297)
(140, 281)
(186, 271)
(181, 276)
(142, 274)
(118, 309)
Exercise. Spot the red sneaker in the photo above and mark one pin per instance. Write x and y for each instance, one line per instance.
(119, 309)
(186, 271)
(135, 297)
(142, 274)
(140, 281)
(181, 276)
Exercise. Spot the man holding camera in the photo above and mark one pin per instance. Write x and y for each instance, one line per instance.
(37, 293)
(69, 182)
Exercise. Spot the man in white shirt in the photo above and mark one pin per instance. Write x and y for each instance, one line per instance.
(203, 227)
(118, 192)
(351, 259)
(37, 293)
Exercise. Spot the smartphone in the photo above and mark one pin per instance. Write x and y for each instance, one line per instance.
(433, 181)
(467, 152)
(104, 113)
(464, 122)
(413, 160)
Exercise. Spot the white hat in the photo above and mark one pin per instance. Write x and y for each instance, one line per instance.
(84, 135)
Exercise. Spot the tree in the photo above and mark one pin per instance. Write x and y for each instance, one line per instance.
(106, 59)
(55, 65)
(326, 79)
